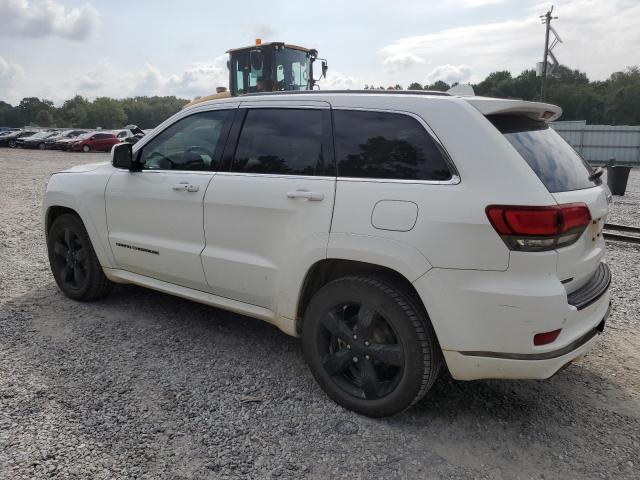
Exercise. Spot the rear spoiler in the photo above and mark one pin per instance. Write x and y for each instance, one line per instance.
(497, 106)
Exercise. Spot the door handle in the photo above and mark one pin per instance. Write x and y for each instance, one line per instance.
(185, 187)
(306, 194)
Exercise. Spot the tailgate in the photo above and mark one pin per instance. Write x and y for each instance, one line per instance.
(579, 261)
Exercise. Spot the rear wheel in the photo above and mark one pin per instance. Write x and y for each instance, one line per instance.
(370, 346)
(41, 146)
(12, 144)
(73, 261)
(86, 149)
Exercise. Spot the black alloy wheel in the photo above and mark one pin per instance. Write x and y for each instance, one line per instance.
(73, 261)
(370, 345)
(361, 350)
(70, 259)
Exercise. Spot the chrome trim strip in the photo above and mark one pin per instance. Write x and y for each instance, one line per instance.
(454, 180)
(275, 175)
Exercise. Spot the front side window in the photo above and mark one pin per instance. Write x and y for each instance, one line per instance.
(282, 141)
(188, 144)
(387, 146)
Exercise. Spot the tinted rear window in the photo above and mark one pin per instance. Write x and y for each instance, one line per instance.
(386, 145)
(554, 161)
(282, 141)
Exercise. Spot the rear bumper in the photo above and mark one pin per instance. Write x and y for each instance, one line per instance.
(477, 365)
(485, 321)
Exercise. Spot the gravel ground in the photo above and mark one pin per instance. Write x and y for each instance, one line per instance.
(144, 385)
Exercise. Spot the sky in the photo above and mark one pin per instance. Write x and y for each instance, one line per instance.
(55, 49)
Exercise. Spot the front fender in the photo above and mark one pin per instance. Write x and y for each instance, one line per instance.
(84, 194)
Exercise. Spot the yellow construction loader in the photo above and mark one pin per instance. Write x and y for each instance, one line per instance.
(269, 67)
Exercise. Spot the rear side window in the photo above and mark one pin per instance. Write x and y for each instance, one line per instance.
(556, 164)
(386, 145)
(282, 141)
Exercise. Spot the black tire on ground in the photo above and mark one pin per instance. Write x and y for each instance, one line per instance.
(41, 146)
(86, 149)
(73, 261)
(12, 144)
(370, 345)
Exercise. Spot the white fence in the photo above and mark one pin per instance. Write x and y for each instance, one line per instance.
(601, 143)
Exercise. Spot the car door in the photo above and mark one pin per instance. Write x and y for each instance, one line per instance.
(154, 216)
(268, 218)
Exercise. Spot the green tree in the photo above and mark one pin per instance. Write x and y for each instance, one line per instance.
(106, 113)
(414, 86)
(73, 112)
(438, 86)
(29, 108)
(44, 118)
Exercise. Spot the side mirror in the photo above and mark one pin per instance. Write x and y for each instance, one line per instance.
(325, 67)
(122, 156)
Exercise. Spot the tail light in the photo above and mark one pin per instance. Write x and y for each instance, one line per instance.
(536, 229)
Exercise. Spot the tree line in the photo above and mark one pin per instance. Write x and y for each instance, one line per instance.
(614, 101)
(145, 112)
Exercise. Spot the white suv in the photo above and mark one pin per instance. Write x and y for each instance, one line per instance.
(394, 232)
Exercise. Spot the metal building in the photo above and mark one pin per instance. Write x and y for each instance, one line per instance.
(599, 143)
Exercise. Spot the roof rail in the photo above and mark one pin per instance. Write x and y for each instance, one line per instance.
(379, 92)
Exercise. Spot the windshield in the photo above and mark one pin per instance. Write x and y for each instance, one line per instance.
(40, 135)
(254, 71)
(292, 69)
(554, 161)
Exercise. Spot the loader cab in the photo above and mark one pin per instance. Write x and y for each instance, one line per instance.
(272, 67)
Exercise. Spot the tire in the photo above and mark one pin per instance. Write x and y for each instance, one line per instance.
(41, 146)
(12, 144)
(86, 149)
(370, 345)
(76, 270)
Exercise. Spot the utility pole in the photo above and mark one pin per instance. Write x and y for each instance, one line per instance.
(546, 19)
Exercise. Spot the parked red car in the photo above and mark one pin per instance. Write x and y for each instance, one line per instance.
(100, 142)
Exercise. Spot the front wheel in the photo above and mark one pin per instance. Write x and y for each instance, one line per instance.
(370, 345)
(86, 149)
(41, 146)
(73, 261)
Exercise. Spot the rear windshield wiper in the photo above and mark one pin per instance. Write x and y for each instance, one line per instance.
(596, 174)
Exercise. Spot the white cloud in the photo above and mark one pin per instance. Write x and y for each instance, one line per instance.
(339, 81)
(479, 3)
(450, 74)
(599, 38)
(108, 80)
(397, 61)
(41, 18)
(11, 75)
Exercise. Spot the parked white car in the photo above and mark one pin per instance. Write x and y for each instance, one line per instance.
(392, 231)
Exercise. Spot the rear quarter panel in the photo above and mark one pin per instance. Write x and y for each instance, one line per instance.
(452, 230)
